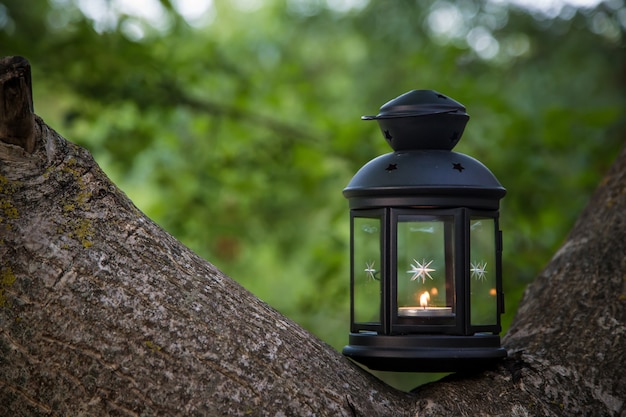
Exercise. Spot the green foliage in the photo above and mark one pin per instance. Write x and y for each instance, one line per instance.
(238, 135)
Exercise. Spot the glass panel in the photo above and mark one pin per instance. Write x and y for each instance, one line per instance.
(367, 270)
(483, 292)
(425, 267)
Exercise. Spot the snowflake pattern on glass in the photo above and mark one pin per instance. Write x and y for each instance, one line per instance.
(370, 271)
(420, 270)
(479, 270)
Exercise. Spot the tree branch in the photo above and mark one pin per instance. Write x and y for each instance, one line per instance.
(104, 313)
(574, 315)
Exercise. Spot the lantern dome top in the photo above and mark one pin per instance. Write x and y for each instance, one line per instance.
(424, 178)
(421, 119)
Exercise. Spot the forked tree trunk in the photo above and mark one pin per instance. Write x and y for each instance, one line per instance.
(102, 313)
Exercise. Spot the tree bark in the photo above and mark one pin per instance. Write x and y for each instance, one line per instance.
(102, 313)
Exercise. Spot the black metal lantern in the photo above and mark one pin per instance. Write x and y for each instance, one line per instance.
(426, 286)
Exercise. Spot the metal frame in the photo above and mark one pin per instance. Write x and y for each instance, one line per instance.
(457, 251)
(438, 347)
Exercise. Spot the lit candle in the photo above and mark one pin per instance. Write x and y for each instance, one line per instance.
(424, 310)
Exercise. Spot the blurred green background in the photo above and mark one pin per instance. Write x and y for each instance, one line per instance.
(235, 124)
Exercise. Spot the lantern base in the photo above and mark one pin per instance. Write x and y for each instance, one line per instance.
(425, 353)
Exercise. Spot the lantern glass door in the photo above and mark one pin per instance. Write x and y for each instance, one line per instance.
(366, 272)
(483, 272)
(425, 270)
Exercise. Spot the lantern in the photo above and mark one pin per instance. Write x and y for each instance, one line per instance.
(426, 287)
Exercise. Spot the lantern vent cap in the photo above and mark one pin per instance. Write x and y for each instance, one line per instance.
(421, 119)
(418, 103)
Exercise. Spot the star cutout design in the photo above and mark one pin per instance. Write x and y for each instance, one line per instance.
(479, 270)
(391, 167)
(370, 271)
(458, 167)
(388, 135)
(420, 270)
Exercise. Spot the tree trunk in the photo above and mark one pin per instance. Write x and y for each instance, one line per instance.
(102, 313)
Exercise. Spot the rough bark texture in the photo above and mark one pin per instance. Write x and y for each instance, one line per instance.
(102, 313)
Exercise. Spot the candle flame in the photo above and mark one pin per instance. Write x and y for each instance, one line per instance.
(424, 299)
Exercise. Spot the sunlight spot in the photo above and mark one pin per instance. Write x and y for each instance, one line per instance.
(105, 14)
(196, 12)
(132, 30)
(192, 9)
(517, 45)
(603, 25)
(150, 10)
(551, 8)
(344, 6)
(445, 19)
(481, 41)
(99, 11)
